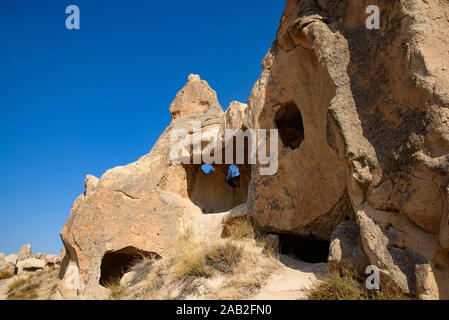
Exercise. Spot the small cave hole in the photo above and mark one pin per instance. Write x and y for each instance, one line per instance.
(116, 263)
(233, 176)
(304, 249)
(207, 168)
(289, 123)
(217, 188)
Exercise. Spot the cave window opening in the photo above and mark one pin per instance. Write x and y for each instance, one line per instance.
(305, 249)
(207, 168)
(233, 176)
(116, 263)
(288, 120)
(217, 188)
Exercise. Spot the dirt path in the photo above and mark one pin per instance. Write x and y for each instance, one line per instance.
(291, 281)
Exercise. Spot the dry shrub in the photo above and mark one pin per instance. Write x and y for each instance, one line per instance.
(141, 268)
(341, 283)
(115, 290)
(6, 275)
(224, 257)
(38, 285)
(239, 228)
(222, 269)
(192, 264)
(23, 288)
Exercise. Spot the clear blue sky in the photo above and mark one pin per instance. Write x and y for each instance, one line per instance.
(77, 102)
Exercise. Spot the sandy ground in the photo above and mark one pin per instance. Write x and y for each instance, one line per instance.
(291, 281)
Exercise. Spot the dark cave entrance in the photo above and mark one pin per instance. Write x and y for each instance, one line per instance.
(219, 187)
(304, 249)
(116, 263)
(288, 120)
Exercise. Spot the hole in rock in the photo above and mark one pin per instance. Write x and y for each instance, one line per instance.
(289, 123)
(220, 189)
(233, 176)
(207, 168)
(116, 263)
(304, 249)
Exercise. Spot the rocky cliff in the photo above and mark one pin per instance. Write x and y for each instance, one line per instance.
(362, 117)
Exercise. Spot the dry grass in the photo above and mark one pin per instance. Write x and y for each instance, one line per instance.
(197, 260)
(115, 290)
(23, 289)
(239, 228)
(38, 285)
(244, 228)
(224, 257)
(193, 268)
(142, 268)
(192, 264)
(6, 275)
(340, 283)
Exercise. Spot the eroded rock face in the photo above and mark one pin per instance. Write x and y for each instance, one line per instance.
(143, 206)
(346, 247)
(362, 117)
(373, 105)
(30, 264)
(24, 252)
(11, 259)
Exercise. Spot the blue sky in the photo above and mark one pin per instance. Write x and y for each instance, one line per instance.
(77, 102)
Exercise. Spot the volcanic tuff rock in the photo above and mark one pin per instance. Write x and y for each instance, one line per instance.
(373, 134)
(140, 208)
(363, 129)
(25, 261)
(346, 247)
(30, 264)
(11, 259)
(24, 252)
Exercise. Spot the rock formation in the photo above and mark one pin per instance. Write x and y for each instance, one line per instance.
(372, 133)
(24, 252)
(140, 208)
(362, 117)
(25, 261)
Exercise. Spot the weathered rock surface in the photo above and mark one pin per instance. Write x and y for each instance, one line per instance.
(346, 247)
(141, 208)
(11, 259)
(24, 253)
(362, 117)
(51, 259)
(371, 110)
(30, 264)
(6, 267)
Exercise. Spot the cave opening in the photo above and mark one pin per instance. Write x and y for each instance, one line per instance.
(233, 176)
(207, 168)
(116, 263)
(305, 249)
(219, 187)
(288, 120)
